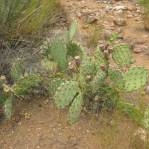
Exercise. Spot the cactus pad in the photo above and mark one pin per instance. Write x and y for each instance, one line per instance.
(8, 107)
(16, 70)
(75, 109)
(59, 53)
(135, 78)
(122, 55)
(65, 93)
(99, 58)
(98, 80)
(116, 77)
(145, 120)
(70, 33)
(54, 83)
(87, 66)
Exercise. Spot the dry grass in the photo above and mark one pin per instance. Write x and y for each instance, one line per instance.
(24, 16)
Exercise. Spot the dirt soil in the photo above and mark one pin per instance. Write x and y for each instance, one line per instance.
(39, 125)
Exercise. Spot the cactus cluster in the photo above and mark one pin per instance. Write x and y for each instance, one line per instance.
(76, 78)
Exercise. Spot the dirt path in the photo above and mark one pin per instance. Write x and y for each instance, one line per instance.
(41, 126)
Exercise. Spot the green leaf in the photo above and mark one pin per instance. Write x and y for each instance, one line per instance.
(75, 109)
(122, 55)
(135, 78)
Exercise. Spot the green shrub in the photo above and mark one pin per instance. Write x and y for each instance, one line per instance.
(23, 16)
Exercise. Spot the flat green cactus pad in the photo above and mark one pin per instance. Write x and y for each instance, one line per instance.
(17, 70)
(87, 65)
(66, 93)
(75, 109)
(145, 120)
(122, 55)
(116, 77)
(54, 83)
(8, 107)
(98, 79)
(99, 58)
(59, 53)
(135, 78)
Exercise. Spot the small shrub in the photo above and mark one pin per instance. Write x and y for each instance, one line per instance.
(23, 16)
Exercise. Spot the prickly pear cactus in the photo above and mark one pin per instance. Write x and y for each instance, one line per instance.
(65, 93)
(17, 70)
(98, 80)
(8, 107)
(70, 33)
(122, 55)
(99, 58)
(145, 120)
(87, 65)
(116, 77)
(24, 84)
(59, 53)
(54, 83)
(135, 78)
(75, 109)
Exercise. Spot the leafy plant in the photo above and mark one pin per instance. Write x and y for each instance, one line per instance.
(25, 16)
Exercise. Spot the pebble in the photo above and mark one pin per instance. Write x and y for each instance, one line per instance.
(140, 138)
(139, 48)
(119, 21)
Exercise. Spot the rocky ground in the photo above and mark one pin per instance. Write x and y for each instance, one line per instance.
(41, 126)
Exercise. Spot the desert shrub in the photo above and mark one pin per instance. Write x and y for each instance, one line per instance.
(23, 16)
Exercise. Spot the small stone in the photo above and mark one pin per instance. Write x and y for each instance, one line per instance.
(120, 22)
(139, 48)
(140, 138)
(90, 19)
